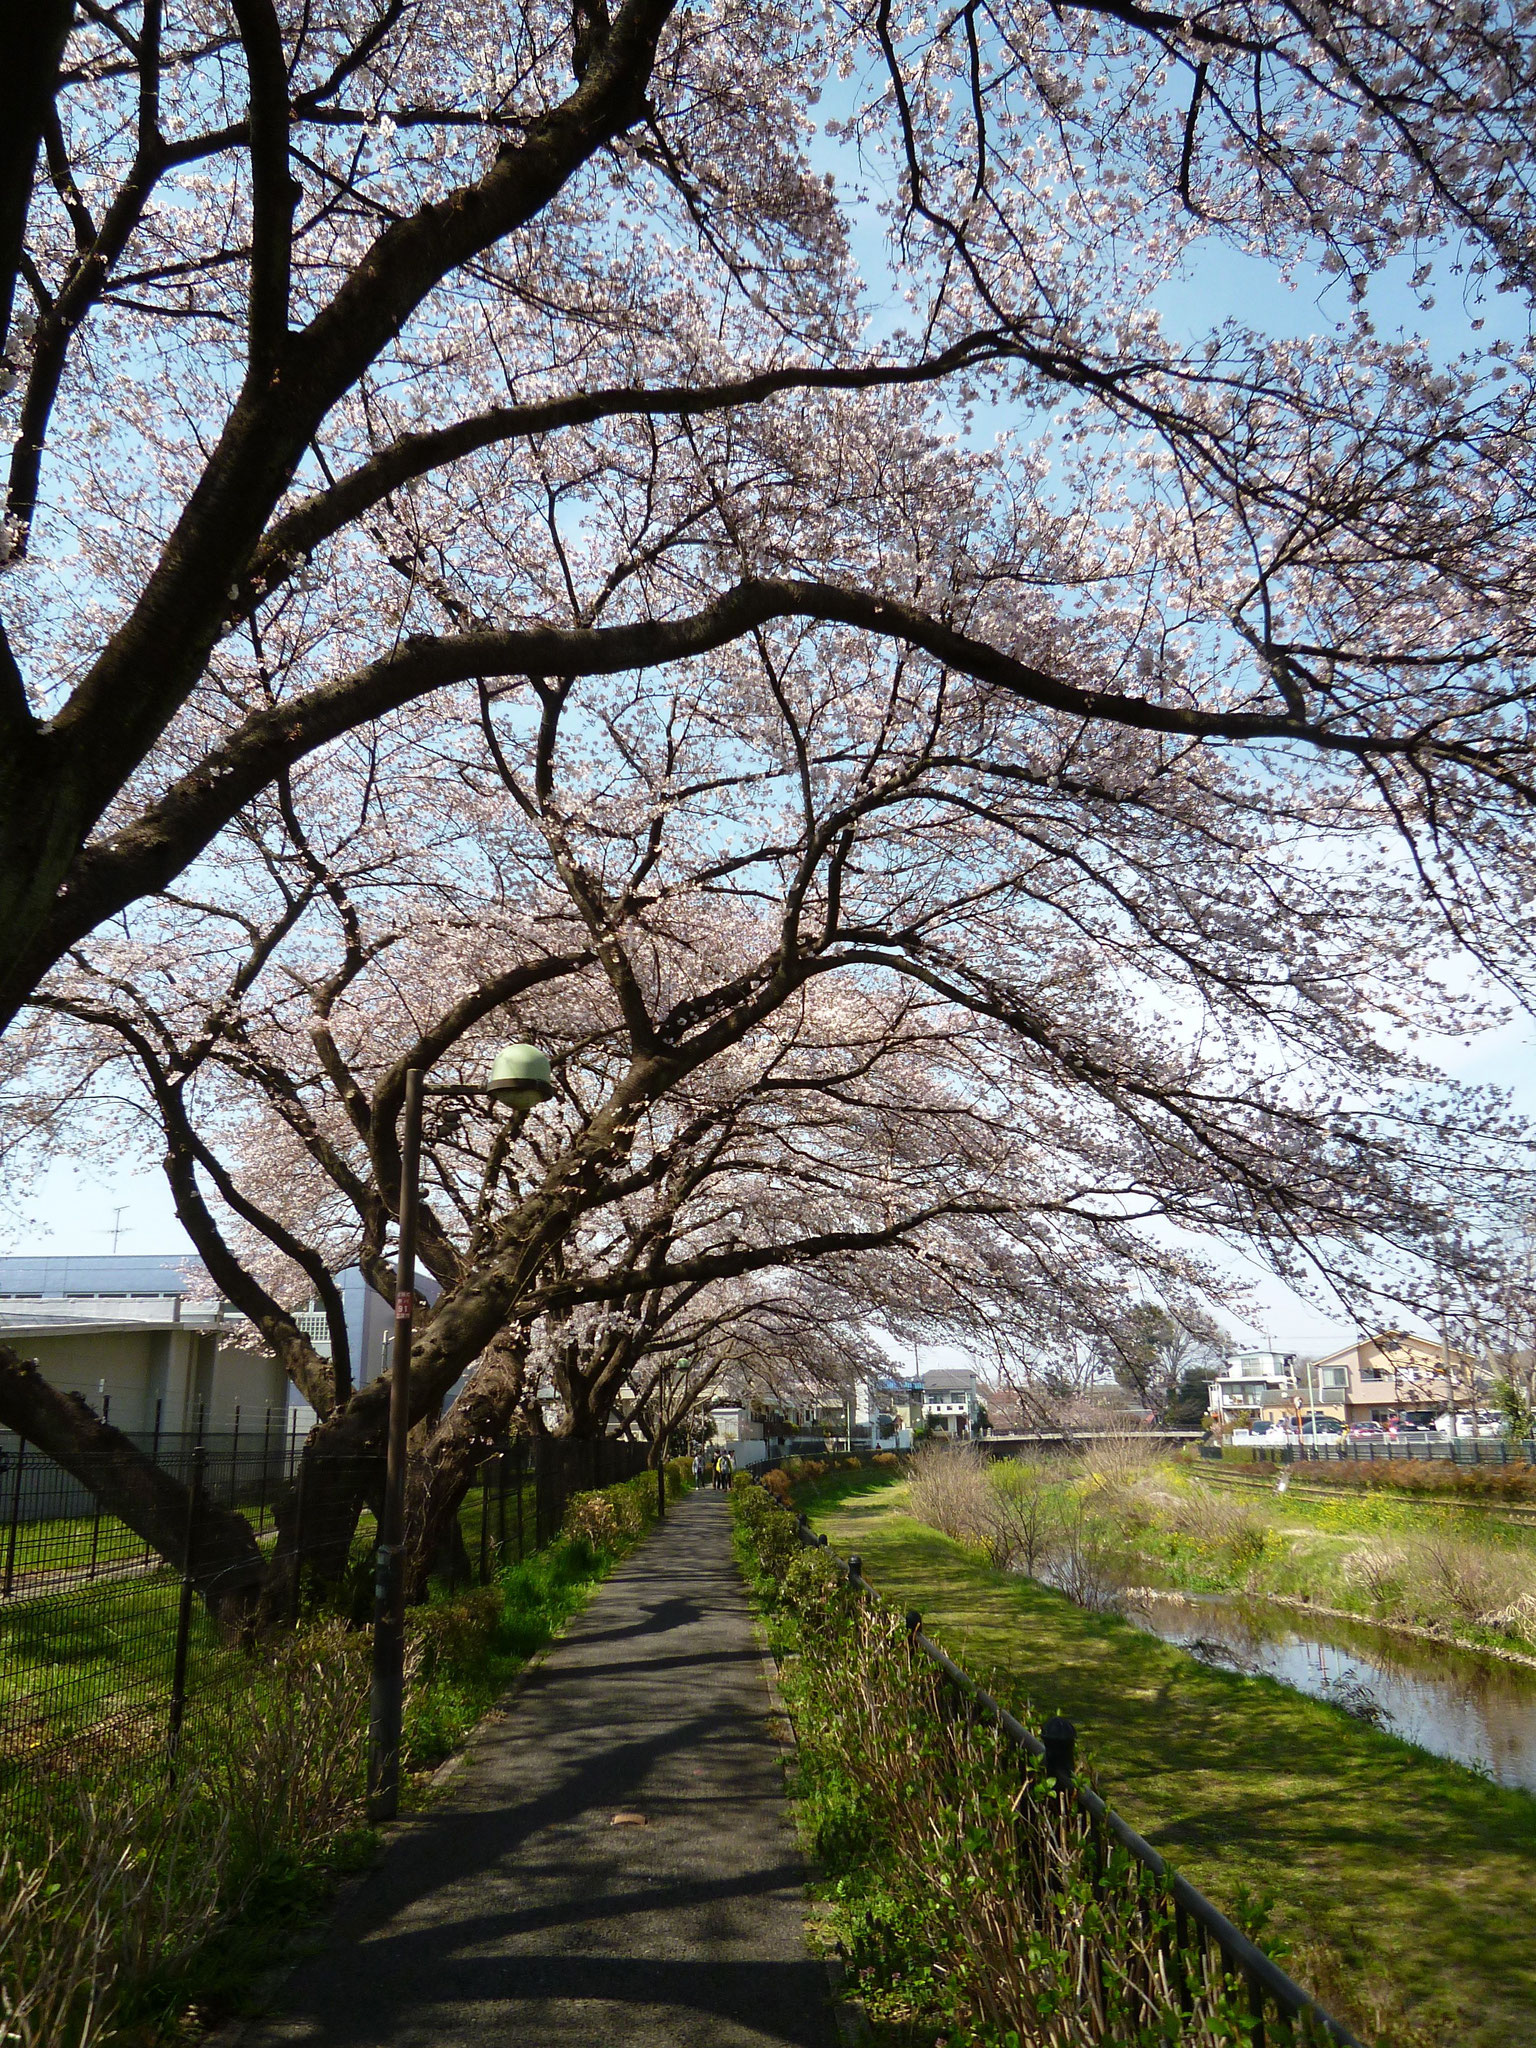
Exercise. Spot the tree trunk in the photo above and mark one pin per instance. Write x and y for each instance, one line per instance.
(316, 1521)
(442, 1474)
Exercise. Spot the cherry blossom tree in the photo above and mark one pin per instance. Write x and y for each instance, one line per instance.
(951, 787)
(846, 968)
(354, 353)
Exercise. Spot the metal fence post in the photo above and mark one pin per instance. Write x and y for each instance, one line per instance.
(266, 1453)
(485, 1525)
(154, 1459)
(298, 1545)
(15, 1524)
(522, 1475)
(184, 1610)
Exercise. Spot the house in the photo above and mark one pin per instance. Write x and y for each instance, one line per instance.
(952, 1402)
(1252, 1384)
(1386, 1375)
(1005, 1410)
(899, 1408)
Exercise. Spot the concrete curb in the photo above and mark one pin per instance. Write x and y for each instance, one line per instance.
(853, 2028)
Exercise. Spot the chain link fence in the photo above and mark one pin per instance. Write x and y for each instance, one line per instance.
(108, 1653)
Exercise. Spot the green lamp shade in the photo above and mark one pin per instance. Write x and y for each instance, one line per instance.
(520, 1076)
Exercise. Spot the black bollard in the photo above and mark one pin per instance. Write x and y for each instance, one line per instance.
(1060, 1740)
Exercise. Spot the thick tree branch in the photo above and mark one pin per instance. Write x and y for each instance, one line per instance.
(226, 1563)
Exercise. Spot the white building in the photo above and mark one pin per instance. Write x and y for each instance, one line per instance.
(141, 1371)
(1249, 1382)
(128, 1336)
(951, 1402)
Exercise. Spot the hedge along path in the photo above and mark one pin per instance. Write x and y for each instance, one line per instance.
(1403, 1884)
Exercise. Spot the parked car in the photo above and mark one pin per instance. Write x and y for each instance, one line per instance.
(1367, 1431)
(1485, 1422)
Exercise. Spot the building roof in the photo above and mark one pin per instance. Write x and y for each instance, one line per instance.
(111, 1273)
(949, 1380)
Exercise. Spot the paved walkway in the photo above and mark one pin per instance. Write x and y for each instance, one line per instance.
(516, 1912)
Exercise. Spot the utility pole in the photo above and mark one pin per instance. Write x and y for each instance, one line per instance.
(661, 1442)
(1445, 1360)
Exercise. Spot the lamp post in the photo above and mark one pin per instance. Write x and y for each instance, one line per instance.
(520, 1078)
(661, 1442)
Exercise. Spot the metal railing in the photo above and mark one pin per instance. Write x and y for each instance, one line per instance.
(1267, 1984)
(1465, 1450)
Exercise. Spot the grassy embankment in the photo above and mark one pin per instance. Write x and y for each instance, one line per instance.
(1383, 1554)
(1402, 1883)
(135, 1912)
(972, 1907)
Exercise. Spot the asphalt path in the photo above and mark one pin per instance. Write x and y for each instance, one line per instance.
(614, 1864)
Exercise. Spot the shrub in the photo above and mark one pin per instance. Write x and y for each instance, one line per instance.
(1474, 1583)
(1491, 1483)
(1084, 1562)
(1115, 1462)
(948, 1490)
(772, 1535)
(137, 1876)
(1026, 1521)
(1216, 1521)
(284, 1754)
(886, 1461)
(57, 1947)
(1379, 1570)
(594, 1516)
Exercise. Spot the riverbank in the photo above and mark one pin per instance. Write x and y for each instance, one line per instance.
(1381, 1557)
(1401, 1883)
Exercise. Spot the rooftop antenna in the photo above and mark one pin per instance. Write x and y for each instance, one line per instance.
(117, 1225)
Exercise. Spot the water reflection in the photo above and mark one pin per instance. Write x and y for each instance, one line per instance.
(1475, 1710)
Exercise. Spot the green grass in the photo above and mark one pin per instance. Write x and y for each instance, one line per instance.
(78, 1657)
(1408, 1879)
(1378, 1510)
(1460, 1578)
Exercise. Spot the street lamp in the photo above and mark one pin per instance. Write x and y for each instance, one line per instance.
(520, 1078)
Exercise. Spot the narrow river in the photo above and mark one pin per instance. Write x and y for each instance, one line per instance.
(1475, 1710)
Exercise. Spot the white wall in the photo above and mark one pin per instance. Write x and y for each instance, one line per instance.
(181, 1369)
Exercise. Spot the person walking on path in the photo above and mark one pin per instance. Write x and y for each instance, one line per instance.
(614, 1864)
